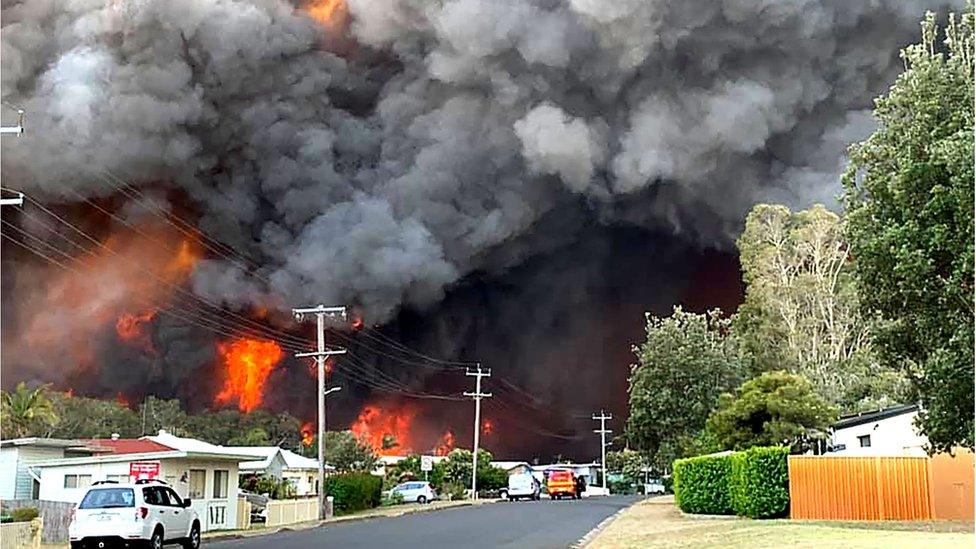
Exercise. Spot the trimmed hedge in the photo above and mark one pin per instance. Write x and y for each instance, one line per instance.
(354, 491)
(760, 482)
(753, 483)
(701, 485)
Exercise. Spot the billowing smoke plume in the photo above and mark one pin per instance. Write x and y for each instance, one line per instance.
(383, 175)
(380, 159)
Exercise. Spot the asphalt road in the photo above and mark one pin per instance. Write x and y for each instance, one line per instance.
(525, 525)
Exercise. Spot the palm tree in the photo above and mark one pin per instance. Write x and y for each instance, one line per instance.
(26, 409)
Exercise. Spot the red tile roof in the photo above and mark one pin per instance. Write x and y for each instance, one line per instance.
(130, 445)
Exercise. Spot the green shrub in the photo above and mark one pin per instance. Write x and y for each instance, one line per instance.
(454, 491)
(354, 491)
(492, 478)
(24, 514)
(622, 487)
(701, 485)
(760, 482)
(266, 484)
(395, 498)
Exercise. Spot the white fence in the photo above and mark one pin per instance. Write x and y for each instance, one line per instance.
(18, 535)
(290, 511)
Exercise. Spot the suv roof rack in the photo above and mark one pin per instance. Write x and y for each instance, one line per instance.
(99, 482)
(151, 480)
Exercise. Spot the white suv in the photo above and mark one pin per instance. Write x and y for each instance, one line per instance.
(142, 514)
(421, 492)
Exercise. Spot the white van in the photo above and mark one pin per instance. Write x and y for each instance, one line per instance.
(521, 485)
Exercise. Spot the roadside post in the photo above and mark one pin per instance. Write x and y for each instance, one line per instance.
(426, 465)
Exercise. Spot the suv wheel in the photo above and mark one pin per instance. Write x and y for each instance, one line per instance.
(503, 494)
(421, 499)
(156, 541)
(193, 542)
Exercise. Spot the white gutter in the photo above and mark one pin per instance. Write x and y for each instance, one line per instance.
(110, 458)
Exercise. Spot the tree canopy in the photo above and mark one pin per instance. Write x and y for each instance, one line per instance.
(26, 410)
(41, 412)
(909, 221)
(775, 408)
(685, 363)
(347, 453)
(801, 311)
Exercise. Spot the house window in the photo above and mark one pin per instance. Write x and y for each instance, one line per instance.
(865, 441)
(198, 483)
(77, 481)
(121, 479)
(220, 484)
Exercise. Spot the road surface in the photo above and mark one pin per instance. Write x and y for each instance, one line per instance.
(527, 524)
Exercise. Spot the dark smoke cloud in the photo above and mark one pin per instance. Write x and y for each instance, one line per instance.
(384, 176)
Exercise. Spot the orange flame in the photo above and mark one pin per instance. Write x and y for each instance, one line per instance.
(487, 427)
(248, 363)
(378, 428)
(308, 434)
(122, 399)
(358, 323)
(445, 444)
(131, 328)
(332, 13)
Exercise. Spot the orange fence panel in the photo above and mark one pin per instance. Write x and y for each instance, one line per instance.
(859, 488)
(952, 486)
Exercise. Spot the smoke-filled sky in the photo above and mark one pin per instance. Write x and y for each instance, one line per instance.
(387, 157)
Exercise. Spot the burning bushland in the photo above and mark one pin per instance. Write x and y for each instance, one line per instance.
(493, 180)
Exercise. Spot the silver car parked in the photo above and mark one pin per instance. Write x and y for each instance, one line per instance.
(415, 490)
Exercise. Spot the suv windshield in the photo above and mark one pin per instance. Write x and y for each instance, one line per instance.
(108, 498)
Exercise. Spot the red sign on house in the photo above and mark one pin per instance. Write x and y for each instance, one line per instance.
(143, 470)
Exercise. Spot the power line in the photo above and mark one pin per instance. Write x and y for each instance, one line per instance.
(249, 328)
(217, 247)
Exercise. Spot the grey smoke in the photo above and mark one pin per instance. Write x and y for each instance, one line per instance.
(382, 174)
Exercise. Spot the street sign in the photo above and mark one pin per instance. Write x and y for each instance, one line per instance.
(139, 470)
(426, 463)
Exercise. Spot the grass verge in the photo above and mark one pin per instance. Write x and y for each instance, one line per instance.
(658, 523)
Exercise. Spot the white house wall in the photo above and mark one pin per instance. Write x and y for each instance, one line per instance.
(893, 436)
(171, 470)
(52, 479)
(303, 481)
(8, 472)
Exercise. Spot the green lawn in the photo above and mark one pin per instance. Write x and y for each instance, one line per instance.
(657, 523)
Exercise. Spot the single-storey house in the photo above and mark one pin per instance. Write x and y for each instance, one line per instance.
(388, 461)
(887, 432)
(17, 455)
(203, 472)
(300, 471)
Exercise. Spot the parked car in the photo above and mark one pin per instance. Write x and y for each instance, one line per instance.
(521, 485)
(654, 486)
(415, 490)
(561, 484)
(139, 514)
